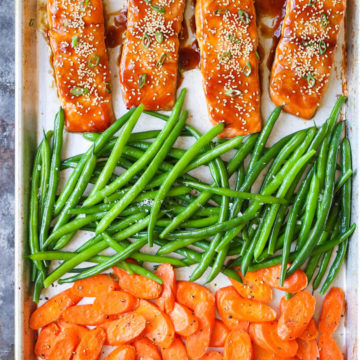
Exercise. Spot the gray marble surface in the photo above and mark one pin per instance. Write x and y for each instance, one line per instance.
(7, 179)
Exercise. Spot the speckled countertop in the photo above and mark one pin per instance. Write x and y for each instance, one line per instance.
(7, 126)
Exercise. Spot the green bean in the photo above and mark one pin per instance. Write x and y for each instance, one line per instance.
(325, 203)
(196, 223)
(343, 179)
(45, 167)
(96, 148)
(345, 216)
(175, 153)
(48, 209)
(38, 286)
(175, 173)
(145, 159)
(143, 135)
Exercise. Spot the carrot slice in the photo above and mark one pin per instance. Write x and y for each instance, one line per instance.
(262, 354)
(94, 286)
(123, 352)
(176, 351)
(265, 335)
(238, 346)
(47, 340)
(332, 309)
(159, 327)
(307, 350)
(127, 328)
(329, 349)
(166, 301)
(232, 323)
(138, 285)
(90, 345)
(311, 332)
(84, 315)
(212, 355)
(65, 345)
(202, 302)
(184, 320)
(219, 334)
(115, 302)
(52, 309)
(253, 287)
(293, 284)
(146, 350)
(80, 330)
(296, 316)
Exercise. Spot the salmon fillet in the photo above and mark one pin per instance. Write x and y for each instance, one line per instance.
(305, 54)
(77, 40)
(226, 32)
(149, 59)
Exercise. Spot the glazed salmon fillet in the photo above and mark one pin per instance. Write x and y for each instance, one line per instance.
(149, 59)
(226, 32)
(305, 54)
(77, 40)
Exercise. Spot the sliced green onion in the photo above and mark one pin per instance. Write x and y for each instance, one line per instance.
(148, 2)
(247, 69)
(77, 91)
(31, 22)
(257, 55)
(158, 9)
(146, 40)
(94, 61)
(84, 4)
(322, 47)
(310, 80)
(233, 92)
(311, 2)
(161, 60)
(142, 79)
(225, 57)
(108, 87)
(244, 17)
(159, 37)
(324, 20)
(74, 41)
(220, 11)
(232, 38)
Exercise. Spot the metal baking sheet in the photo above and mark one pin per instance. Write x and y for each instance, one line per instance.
(37, 103)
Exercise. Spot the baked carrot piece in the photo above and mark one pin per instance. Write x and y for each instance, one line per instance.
(138, 285)
(52, 309)
(84, 315)
(146, 349)
(332, 309)
(202, 302)
(296, 316)
(184, 320)
(328, 348)
(90, 345)
(232, 323)
(94, 286)
(46, 340)
(79, 329)
(265, 335)
(262, 354)
(159, 328)
(293, 284)
(115, 302)
(123, 352)
(253, 287)
(176, 351)
(212, 355)
(311, 332)
(166, 301)
(219, 334)
(238, 346)
(307, 350)
(66, 344)
(124, 330)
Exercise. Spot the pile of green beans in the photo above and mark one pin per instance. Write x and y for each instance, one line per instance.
(301, 200)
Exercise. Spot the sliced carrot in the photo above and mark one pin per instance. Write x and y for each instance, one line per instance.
(52, 309)
(123, 352)
(176, 351)
(126, 329)
(238, 346)
(80, 330)
(184, 320)
(219, 334)
(95, 285)
(47, 340)
(166, 301)
(202, 302)
(232, 323)
(90, 345)
(115, 302)
(329, 349)
(146, 350)
(293, 284)
(262, 354)
(307, 350)
(212, 355)
(65, 345)
(253, 287)
(159, 328)
(311, 332)
(84, 315)
(332, 309)
(265, 335)
(296, 316)
(138, 285)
